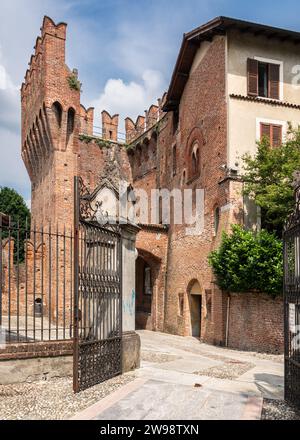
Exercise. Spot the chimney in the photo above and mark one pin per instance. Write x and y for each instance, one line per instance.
(110, 126)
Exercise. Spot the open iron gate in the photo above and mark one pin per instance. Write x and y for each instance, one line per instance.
(291, 239)
(97, 295)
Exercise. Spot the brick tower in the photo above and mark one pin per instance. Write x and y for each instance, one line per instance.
(51, 119)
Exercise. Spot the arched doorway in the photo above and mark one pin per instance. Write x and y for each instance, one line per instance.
(144, 292)
(195, 308)
(146, 285)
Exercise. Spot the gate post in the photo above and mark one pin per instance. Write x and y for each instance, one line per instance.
(130, 341)
(75, 285)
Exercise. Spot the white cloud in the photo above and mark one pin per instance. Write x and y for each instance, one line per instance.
(10, 101)
(12, 169)
(129, 99)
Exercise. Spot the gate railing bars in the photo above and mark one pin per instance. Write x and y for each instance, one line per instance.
(36, 282)
(291, 240)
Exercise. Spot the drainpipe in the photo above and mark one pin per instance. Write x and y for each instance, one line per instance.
(227, 320)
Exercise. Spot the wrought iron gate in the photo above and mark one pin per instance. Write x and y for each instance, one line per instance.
(292, 304)
(97, 295)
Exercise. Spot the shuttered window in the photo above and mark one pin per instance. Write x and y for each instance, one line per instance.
(263, 79)
(272, 132)
(276, 135)
(274, 81)
(252, 77)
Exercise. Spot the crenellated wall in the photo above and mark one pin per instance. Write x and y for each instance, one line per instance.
(144, 123)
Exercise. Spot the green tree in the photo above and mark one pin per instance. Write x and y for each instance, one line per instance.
(248, 261)
(13, 205)
(268, 179)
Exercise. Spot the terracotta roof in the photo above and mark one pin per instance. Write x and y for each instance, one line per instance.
(217, 26)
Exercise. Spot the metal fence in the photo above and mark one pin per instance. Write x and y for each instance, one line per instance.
(36, 282)
(291, 239)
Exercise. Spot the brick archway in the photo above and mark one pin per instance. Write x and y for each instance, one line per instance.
(147, 272)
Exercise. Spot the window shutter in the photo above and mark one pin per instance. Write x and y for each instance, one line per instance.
(274, 70)
(265, 131)
(276, 135)
(252, 77)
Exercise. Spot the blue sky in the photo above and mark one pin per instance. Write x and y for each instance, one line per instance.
(125, 52)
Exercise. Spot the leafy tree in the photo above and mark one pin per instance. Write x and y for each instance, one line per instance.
(268, 179)
(248, 261)
(13, 205)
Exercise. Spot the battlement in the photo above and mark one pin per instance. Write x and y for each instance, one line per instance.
(56, 30)
(142, 124)
(86, 120)
(110, 126)
(49, 30)
(133, 130)
(50, 94)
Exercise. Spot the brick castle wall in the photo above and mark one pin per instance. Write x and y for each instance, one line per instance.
(256, 323)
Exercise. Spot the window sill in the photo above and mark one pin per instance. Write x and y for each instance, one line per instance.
(264, 98)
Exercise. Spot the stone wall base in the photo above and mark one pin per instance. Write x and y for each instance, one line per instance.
(43, 361)
(131, 358)
(34, 369)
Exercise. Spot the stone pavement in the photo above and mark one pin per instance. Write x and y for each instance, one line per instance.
(181, 378)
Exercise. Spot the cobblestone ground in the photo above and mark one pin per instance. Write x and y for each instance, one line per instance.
(229, 370)
(279, 410)
(53, 399)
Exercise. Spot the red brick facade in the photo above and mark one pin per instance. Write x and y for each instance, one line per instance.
(169, 150)
(255, 320)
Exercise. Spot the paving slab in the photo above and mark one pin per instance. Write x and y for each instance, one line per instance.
(170, 390)
(156, 400)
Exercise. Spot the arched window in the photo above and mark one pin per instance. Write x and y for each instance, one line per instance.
(216, 219)
(71, 121)
(174, 160)
(180, 304)
(195, 159)
(57, 110)
(183, 177)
